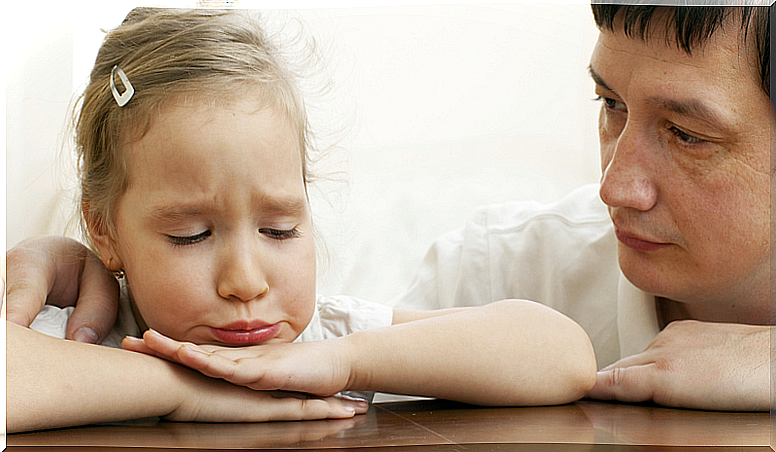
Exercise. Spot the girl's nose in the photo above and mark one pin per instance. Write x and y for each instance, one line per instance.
(625, 181)
(241, 276)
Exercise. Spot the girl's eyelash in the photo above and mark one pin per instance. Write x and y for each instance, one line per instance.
(188, 240)
(280, 234)
(276, 234)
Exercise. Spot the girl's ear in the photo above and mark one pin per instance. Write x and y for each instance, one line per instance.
(102, 238)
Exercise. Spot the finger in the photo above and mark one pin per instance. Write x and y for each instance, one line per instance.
(626, 384)
(42, 270)
(216, 362)
(162, 344)
(316, 408)
(638, 359)
(230, 403)
(95, 311)
(29, 278)
(191, 355)
(212, 364)
(138, 345)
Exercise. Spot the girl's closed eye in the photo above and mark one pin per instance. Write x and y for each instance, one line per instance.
(188, 240)
(280, 234)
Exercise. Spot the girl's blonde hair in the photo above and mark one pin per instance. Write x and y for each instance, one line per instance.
(212, 55)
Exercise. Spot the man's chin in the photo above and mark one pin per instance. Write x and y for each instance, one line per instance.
(656, 279)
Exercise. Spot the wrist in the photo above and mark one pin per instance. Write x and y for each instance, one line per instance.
(356, 364)
(181, 389)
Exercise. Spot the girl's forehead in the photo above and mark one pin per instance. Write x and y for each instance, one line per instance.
(183, 110)
(198, 137)
(239, 97)
(210, 99)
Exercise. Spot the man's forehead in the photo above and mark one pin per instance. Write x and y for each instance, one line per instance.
(720, 58)
(685, 28)
(686, 41)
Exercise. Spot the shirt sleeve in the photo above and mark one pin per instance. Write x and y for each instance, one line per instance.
(52, 321)
(341, 315)
(519, 250)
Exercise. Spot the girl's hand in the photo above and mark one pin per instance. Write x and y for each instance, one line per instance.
(218, 401)
(321, 368)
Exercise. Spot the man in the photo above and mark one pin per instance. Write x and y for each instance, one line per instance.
(670, 276)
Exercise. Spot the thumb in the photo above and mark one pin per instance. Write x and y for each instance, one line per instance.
(25, 287)
(625, 384)
(95, 310)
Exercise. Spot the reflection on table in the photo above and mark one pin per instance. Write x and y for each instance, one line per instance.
(431, 425)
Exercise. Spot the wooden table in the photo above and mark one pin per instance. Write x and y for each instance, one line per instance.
(435, 425)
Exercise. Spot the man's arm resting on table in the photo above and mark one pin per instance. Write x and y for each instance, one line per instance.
(692, 364)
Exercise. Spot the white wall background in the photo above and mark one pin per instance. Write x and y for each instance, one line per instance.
(435, 109)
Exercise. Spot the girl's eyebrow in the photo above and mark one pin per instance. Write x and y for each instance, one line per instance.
(286, 205)
(175, 212)
(280, 205)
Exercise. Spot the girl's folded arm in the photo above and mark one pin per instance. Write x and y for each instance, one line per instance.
(54, 383)
(512, 352)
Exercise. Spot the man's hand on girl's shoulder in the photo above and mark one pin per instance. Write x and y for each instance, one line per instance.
(62, 272)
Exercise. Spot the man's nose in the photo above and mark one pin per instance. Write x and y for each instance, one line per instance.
(242, 276)
(626, 180)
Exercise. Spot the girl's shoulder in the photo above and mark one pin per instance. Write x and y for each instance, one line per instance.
(340, 315)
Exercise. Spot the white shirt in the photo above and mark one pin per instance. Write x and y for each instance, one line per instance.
(333, 317)
(563, 255)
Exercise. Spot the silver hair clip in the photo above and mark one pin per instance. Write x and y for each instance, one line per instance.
(129, 90)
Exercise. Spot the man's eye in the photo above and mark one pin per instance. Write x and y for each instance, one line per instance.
(280, 234)
(188, 240)
(684, 137)
(611, 104)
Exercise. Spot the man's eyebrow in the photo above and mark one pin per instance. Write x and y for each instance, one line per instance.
(598, 79)
(692, 108)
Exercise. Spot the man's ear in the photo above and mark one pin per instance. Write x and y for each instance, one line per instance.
(102, 238)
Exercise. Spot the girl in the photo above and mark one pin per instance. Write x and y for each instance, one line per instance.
(192, 146)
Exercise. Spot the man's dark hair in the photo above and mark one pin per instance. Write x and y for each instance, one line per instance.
(692, 26)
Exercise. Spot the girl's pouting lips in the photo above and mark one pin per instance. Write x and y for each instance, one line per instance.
(244, 333)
